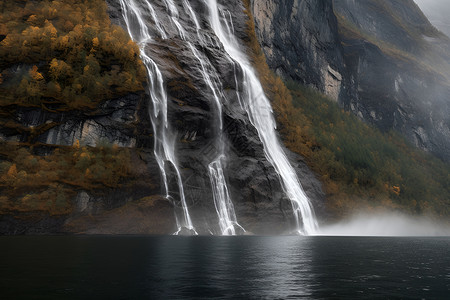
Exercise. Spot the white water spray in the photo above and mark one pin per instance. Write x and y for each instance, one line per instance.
(260, 114)
(164, 150)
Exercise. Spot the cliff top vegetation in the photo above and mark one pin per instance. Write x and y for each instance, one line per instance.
(64, 55)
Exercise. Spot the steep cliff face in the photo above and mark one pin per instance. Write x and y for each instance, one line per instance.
(253, 184)
(300, 41)
(398, 65)
(386, 63)
(62, 115)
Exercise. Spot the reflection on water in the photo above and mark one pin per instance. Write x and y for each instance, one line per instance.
(227, 267)
(223, 267)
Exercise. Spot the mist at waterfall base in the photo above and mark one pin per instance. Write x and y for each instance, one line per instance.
(386, 224)
(235, 267)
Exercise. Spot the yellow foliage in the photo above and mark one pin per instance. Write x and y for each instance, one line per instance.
(50, 29)
(396, 190)
(62, 34)
(50, 181)
(12, 172)
(32, 20)
(95, 42)
(35, 74)
(59, 69)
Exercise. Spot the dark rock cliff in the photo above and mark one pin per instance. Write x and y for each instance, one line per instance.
(386, 63)
(123, 121)
(255, 189)
(254, 185)
(301, 42)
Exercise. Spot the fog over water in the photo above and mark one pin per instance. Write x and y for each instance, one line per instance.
(438, 12)
(386, 224)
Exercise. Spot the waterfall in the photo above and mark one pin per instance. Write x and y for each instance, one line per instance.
(135, 18)
(259, 110)
(141, 19)
(164, 140)
(222, 201)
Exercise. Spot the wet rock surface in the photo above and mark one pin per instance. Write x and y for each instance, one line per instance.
(255, 189)
(260, 203)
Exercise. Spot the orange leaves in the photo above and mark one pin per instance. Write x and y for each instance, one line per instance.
(50, 30)
(396, 190)
(79, 45)
(31, 32)
(68, 25)
(392, 189)
(59, 69)
(35, 75)
(33, 20)
(32, 182)
(76, 144)
(95, 42)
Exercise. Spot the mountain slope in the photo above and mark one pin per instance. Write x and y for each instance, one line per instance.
(80, 159)
(361, 167)
(437, 11)
(399, 68)
(380, 59)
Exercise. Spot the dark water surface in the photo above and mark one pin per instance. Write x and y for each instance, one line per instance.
(167, 267)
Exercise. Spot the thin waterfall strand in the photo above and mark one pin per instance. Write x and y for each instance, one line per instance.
(222, 200)
(164, 140)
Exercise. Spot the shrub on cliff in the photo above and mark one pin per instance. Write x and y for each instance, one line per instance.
(29, 182)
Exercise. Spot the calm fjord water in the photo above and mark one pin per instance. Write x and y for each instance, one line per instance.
(167, 267)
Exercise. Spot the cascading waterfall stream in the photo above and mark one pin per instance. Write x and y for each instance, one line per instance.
(222, 200)
(164, 151)
(164, 140)
(259, 111)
